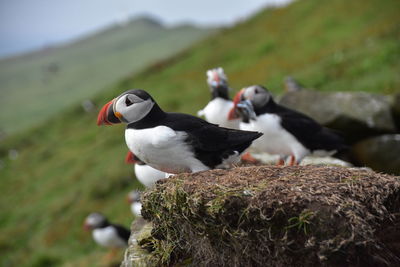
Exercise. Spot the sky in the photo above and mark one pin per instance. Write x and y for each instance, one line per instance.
(31, 24)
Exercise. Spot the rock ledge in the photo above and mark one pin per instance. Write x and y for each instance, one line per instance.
(273, 216)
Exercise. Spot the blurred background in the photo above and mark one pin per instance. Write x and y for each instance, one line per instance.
(61, 61)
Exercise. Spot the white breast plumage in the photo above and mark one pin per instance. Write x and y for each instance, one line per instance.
(164, 149)
(148, 175)
(217, 111)
(108, 237)
(136, 208)
(276, 140)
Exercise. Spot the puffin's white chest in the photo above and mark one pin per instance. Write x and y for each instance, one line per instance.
(276, 140)
(164, 149)
(136, 208)
(108, 237)
(217, 111)
(148, 175)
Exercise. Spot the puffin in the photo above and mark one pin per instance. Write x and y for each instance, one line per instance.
(287, 133)
(145, 174)
(173, 142)
(105, 233)
(291, 85)
(216, 111)
(133, 199)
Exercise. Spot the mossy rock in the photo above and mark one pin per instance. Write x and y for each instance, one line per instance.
(275, 216)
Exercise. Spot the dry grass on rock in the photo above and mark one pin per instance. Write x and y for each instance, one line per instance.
(275, 216)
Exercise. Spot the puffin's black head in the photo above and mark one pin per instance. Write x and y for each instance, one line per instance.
(133, 196)
(218, 83)
(130, 106)
(258, 96)
(95, 220)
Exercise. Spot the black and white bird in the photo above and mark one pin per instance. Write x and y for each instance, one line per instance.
(287, 133)
(217, 109)
(145, 174)
(133, 199)
(105, 233)
(173, 142)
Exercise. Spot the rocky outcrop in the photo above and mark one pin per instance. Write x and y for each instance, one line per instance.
(273, 216)
(382, 153)
(357, 115)
(365, 120)
(396, 110)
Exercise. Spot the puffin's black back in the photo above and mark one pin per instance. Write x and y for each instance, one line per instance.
(221, 92)
(211, 143)
(123, 232)
(307, 131)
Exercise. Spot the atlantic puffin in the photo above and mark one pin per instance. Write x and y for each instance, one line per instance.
(173, 142)
(291, 85)
(216, 111)
(145, 174)
(133, 199)
(286, 132)
(105, 233)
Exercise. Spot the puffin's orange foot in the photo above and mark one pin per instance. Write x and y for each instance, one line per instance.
(248, 158)
(130, 158)
(110, 256)
(293, 161)
(280, 162)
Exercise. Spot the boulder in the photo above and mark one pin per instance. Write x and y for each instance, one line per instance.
(357, 115)
(396, 110)
(381, 153)
(135, 255)
(273, 216)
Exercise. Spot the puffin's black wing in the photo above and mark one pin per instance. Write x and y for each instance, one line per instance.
(309, 132)
(210, 142)
(122, 232)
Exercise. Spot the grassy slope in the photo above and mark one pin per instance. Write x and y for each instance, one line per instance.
(48, 81)
(70, 167)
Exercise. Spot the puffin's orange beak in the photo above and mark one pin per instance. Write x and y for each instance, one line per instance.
(86, 226)
(232, 115)
(106, 115)
(129, 199)
(216, 78)
(130, 158)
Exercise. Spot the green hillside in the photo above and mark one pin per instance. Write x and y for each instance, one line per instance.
(50, 80)
(69, 167)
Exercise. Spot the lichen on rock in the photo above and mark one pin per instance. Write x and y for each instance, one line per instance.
(274, 216)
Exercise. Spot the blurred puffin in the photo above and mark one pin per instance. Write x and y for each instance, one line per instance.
(145, 174)
(136, 205)
(105, 233)
(173, 142)
(286, 132)
(218, 108)
(291, 85)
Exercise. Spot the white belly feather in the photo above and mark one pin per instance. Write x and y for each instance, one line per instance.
(164, 149)
(148, 175)
(217, 111)
(276, 140)
(108, 237)
(136, 208)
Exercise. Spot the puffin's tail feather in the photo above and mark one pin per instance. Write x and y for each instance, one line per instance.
(247, 138)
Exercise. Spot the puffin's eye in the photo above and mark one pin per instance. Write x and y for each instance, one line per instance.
(128, 102)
